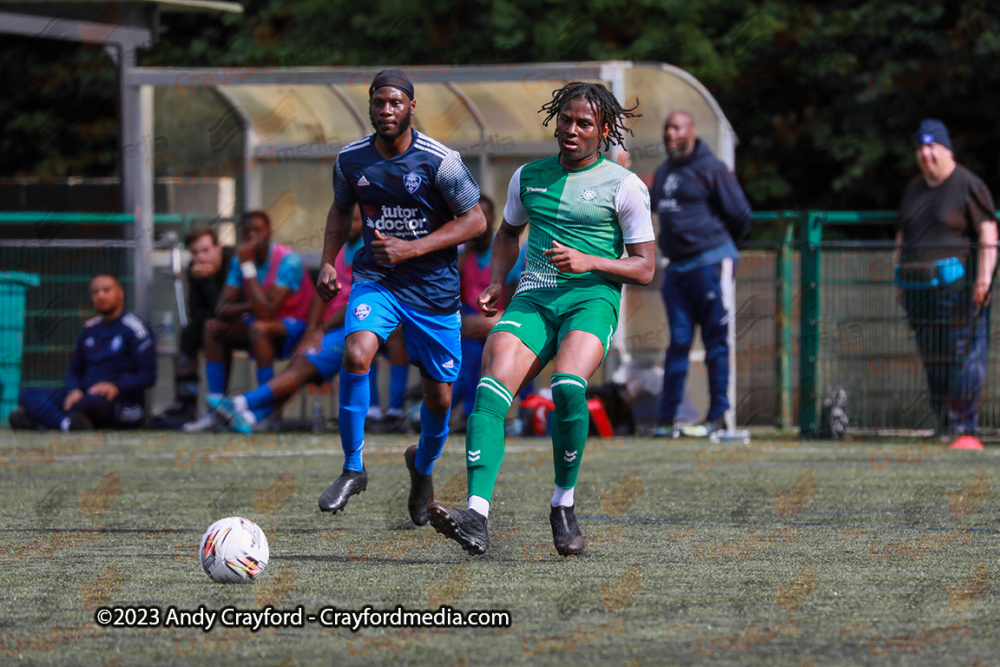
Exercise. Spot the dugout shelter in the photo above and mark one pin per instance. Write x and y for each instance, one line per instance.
(276, 131)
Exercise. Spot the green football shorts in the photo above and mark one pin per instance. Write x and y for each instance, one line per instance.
(541, 317)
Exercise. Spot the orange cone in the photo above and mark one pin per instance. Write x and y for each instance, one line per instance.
(967, 442)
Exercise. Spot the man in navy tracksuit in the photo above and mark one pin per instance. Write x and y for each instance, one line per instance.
(703, 215)
(114, 364)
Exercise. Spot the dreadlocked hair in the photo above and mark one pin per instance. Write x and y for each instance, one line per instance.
(606, 105)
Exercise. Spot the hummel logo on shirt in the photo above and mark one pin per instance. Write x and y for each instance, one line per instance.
(530, 189)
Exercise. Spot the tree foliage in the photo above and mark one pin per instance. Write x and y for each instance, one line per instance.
(825, 97)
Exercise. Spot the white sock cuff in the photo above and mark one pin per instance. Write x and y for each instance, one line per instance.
(563, 497)
(240, 402)
(479, 504)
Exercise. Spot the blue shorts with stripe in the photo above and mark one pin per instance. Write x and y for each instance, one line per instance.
(433, 342)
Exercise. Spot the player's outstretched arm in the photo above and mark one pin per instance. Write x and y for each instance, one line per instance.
(636, 268)
(338, 227)
(503, 256)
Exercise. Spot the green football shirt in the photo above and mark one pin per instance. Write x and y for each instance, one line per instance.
(596, 210)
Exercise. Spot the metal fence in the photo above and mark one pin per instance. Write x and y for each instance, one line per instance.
(811, 313)
(67, 250)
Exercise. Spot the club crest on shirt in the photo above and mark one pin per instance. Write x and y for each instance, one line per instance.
(588, 195)
(411, 182)
(361, 311)
(89, 342)
(116, 343)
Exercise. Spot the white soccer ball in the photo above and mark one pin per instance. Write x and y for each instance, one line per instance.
(233, 550)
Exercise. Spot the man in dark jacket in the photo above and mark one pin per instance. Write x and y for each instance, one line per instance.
(206, 277)
(703, 215)
(112, 367)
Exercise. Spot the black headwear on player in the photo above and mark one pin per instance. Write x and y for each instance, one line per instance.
(606, 105)
(392, 77)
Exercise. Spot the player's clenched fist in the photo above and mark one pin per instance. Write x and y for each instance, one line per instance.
(389, 249)
(489, 300)
(326, 285)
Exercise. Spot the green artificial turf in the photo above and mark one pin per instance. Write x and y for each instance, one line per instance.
(777, 554)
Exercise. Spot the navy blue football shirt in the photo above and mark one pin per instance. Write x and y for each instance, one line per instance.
(407, 196)
(122, 352)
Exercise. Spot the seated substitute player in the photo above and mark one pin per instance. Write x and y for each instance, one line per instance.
(206, 277)
(112, 367)
(419, 202)
(584, 210)
(269, 322)
(317, 358)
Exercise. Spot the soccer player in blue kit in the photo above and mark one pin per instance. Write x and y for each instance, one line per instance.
(419, 202)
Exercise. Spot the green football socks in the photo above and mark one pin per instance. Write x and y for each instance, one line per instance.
(484, 440)
(570, 426)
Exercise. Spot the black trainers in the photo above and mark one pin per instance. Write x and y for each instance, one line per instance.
(396, 424)
(22, 421)
(175, 416)
(79, 422)
(348, 484)
(421, 489)
(467, 527)
(565, 533)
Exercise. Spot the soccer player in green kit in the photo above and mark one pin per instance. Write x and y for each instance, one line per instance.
(591, 233)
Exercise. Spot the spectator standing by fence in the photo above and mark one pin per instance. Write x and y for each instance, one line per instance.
(703, 215)
(945, 259)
